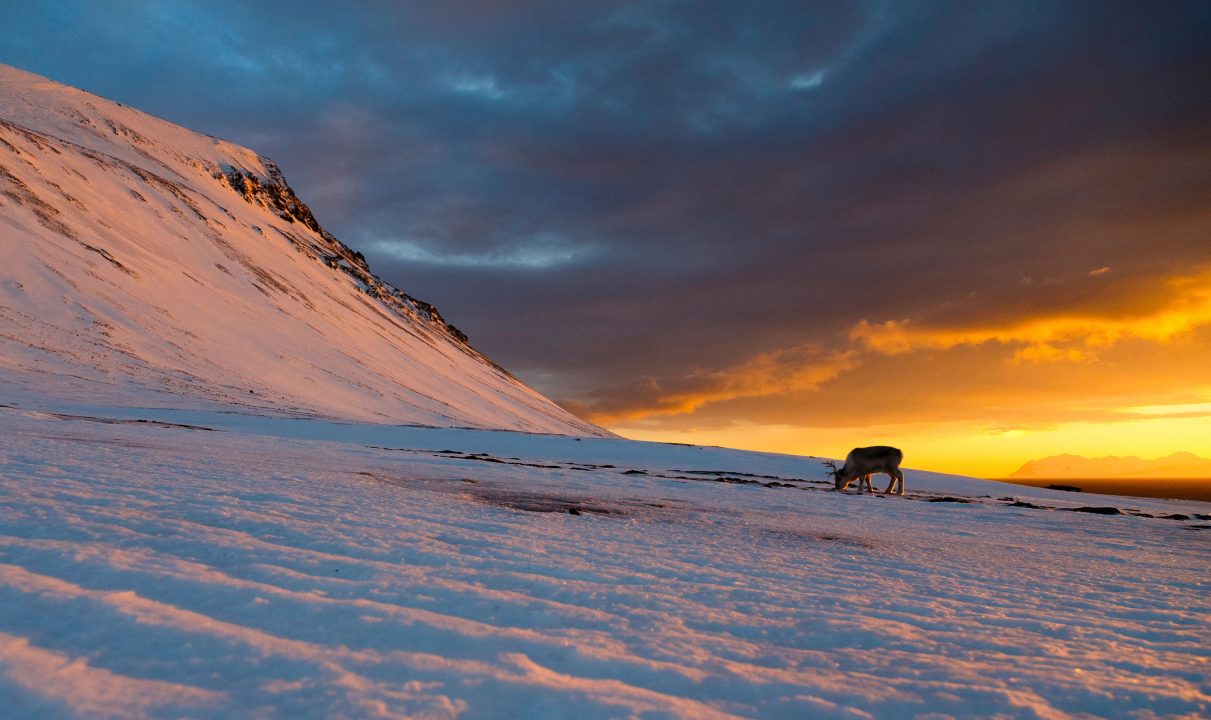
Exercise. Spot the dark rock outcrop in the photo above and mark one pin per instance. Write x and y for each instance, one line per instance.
(273, 193)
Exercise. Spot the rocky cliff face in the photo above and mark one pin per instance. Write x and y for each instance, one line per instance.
(275, 195)
(148, 264)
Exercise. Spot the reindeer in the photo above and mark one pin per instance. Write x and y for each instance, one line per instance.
(861, 463)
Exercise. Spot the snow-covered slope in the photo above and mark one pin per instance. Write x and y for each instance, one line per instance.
(146, 264)
(173, 564)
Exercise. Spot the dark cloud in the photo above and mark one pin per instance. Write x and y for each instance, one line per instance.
(621, 201)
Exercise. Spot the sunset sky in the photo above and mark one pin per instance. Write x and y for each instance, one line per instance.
(978, 231)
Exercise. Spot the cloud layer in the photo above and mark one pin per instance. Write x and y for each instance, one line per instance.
(733, 212)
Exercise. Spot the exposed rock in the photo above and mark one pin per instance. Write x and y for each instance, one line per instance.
(274, 194)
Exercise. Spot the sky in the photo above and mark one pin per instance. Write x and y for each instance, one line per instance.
(978, 231)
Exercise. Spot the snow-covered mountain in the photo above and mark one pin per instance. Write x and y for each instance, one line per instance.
(1179, 465)
(147, 264)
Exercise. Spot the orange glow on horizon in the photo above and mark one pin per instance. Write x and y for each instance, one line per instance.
(978, 401)
(957, 448)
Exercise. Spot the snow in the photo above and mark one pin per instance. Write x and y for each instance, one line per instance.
(228, 565)
(134, 273)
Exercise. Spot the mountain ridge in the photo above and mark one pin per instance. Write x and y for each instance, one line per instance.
(150, 264)
(1176, 465)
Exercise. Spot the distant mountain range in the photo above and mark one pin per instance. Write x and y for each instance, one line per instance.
(148, 265)
(1177, 465)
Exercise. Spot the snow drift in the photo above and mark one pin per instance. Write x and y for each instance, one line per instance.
(146, 264)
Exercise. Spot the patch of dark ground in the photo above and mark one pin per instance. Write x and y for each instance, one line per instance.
(133, 421)
(574, 506)
(130, 444)
(733, 478)
(1103, 510)
(548, 503)
(1014, 502)
(521, 500)
(804, 535)
(588, 468)
(484, 457)
(737, 474)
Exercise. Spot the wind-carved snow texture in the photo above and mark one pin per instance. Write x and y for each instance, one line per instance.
(145, 264)
(175, 564)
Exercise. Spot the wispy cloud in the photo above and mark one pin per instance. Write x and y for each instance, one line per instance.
(807, 81)
(484, 86)
(789, 370)
(1057, 337)
(537, 255)
(1170, 410)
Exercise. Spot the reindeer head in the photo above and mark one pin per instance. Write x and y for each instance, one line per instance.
(835, 472)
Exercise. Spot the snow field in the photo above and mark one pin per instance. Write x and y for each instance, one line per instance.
(253, 570)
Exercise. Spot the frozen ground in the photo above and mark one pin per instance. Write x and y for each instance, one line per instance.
(216, 565)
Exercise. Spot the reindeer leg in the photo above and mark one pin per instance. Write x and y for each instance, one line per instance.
(896, 477)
